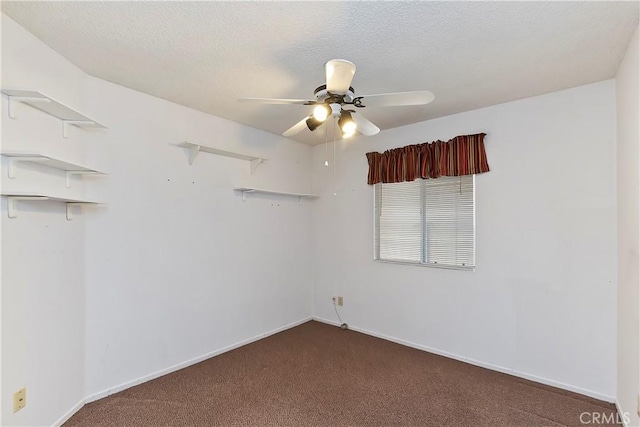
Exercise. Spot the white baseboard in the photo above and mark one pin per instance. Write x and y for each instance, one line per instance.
(206, 356)
(190, 362)
(497, 368)
(63, 419)
(170, 369)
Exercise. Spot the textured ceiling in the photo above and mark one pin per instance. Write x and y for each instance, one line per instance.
(205, 55)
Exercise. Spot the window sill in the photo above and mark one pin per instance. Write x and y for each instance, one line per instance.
(416, 264)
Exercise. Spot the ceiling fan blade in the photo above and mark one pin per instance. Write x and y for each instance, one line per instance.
(279, 101)
(419, 97)
(365, 127)
(339, 74)
(302, 124)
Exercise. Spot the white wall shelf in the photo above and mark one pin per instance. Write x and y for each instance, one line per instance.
(14, 196)
(300, 196)
(194, 149)
(69, 116)
(70, 169)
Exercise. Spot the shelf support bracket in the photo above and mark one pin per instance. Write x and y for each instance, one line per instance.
(12, 203)
(68, 175)
(67, 123)
(70, 206)
(244, 192)
(254, 164)
(13, 100)
(193, 153)
(11, 166)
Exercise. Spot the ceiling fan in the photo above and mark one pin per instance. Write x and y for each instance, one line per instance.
(332, 97)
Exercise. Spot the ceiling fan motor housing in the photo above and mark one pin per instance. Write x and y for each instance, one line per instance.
(325, 97)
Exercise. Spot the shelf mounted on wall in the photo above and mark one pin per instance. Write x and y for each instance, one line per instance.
(195, 149)
(13, 197)
(70, 169)
(69, 116)
(300, 196)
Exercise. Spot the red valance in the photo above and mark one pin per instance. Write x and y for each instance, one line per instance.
(462, 155)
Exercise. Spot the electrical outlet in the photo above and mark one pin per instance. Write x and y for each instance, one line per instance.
(340, 301)
(19, 399)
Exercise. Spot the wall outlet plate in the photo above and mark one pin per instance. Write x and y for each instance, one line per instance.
(340, 301)
(19, 399)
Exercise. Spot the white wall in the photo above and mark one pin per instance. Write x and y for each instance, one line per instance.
(628, 232)
(42, 253)
(177, 265)
(542, 300)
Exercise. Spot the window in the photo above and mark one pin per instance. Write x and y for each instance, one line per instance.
(426, 222)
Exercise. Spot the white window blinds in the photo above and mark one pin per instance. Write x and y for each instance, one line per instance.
(428, 222)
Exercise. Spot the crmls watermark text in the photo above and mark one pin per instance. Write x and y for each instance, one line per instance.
(597, 418)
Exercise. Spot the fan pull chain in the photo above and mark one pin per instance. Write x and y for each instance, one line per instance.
(335, 162)
(326, 143)
(335, 193)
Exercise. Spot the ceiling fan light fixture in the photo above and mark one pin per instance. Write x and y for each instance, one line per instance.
(320, 113)
(346, 135)
(347, 125)
(312, 123)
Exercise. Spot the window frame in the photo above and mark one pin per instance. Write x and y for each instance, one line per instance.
(376, 236)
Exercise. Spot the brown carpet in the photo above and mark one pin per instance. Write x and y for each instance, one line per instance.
(319, 375)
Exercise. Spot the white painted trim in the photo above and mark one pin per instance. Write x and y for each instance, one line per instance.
(63, 419)
(621, 415)
(486, 365)
(619, 409)
(190, 362)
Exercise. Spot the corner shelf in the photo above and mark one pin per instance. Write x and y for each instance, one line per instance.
(69, 168)
(300, 196)
(194, 149)
(50, 106)
(14, 196)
